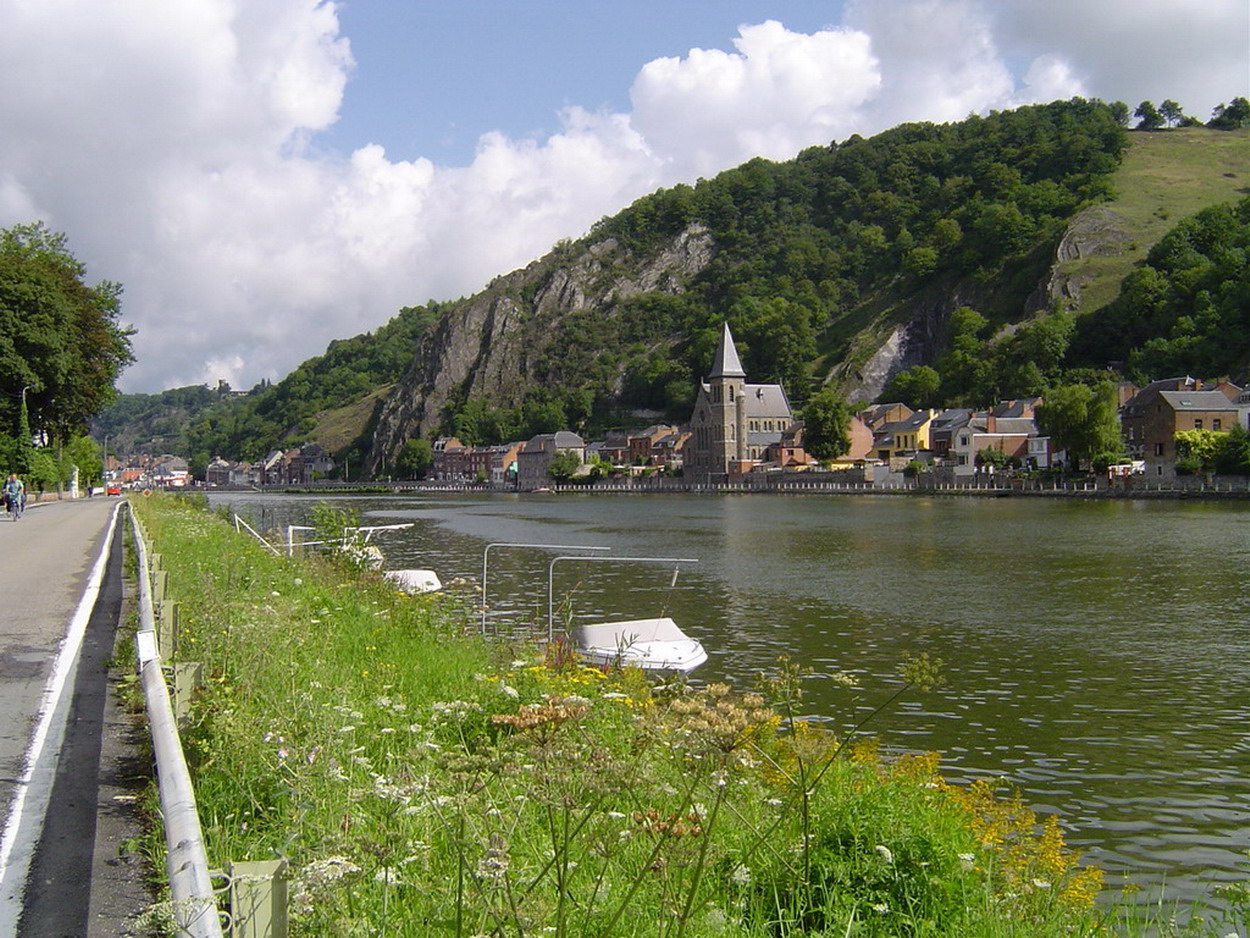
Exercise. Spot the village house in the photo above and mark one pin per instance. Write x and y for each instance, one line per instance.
(642, 444)
(1150, 421)
(451, 460)
(877, 416)
(537, 454)
(668, 451)
(903, 440)
(307, 464)
(733, 423)
(218, 471)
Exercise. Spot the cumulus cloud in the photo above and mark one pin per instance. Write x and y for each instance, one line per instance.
(176, 144)
(779, 92)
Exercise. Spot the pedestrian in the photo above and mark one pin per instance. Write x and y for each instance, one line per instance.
(14, 495)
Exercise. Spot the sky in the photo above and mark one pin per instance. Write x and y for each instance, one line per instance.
(266, 176)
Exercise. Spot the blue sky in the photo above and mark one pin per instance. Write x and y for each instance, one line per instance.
(265, 176)
(432, 77)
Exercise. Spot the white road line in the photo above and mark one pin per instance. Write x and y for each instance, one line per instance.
(24, 826)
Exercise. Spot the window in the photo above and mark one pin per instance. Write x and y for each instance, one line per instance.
(1158, 449)
(1197, 423)
(1216, 424)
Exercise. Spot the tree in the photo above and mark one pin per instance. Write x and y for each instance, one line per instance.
(1148, 116)
(415, 458)
(1171, 112)
(826, 425)
(918, 388)
(1199, 450)
(1119, 112)
(1081, 420)
(1231, 116)
(61, 340)
(564, 465)
(1234, 458)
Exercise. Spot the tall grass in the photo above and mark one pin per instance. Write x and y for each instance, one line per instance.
(421, 782)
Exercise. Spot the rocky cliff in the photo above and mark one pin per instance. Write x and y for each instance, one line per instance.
(495, 345)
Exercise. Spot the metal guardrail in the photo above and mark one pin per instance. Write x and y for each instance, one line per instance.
(194, 902)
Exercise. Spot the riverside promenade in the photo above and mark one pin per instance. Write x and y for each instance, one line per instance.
(69, 774)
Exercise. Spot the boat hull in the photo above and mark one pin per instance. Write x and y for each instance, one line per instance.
(651, 644)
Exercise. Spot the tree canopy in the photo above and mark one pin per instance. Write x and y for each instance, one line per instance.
(61, 346)
(826, 425)
(1082, 420)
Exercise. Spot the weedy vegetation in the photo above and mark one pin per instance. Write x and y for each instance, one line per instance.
(422, 782)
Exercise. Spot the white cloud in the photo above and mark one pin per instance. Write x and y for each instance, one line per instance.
(176, 145)
(781, 91)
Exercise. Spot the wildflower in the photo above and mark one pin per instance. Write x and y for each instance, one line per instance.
(881, 907)
(494, 863)
(885, 852)
(347, 729)
(967, 861)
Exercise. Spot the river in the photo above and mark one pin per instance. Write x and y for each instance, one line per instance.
(1096, 653)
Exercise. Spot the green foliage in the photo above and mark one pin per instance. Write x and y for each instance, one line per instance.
(826, 425)
(1148, 116)
(60, 339)
(154, 422)
(564, 466)
(1081, 420)
(1187, 309)
(1231, 116)
(415, 458)
(919, 388)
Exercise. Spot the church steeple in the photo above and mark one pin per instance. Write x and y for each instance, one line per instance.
(726, 363)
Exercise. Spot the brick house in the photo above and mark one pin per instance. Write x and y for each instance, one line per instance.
(1151, 420)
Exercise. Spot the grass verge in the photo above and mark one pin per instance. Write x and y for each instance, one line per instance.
(422, 782)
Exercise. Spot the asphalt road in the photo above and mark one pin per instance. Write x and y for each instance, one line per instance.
(70, 766)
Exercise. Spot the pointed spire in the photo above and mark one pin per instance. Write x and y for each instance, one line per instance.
(726, 364)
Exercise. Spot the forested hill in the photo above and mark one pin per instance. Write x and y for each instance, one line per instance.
(842, 265)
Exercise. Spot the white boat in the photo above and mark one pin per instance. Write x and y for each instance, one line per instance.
(413, 582)
(656, 644)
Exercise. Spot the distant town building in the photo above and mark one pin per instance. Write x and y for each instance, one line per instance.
(536, 456)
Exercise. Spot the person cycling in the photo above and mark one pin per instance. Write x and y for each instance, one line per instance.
(14, 495)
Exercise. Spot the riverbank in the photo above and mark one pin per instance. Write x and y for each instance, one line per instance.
(1222, 487)
(414, 775)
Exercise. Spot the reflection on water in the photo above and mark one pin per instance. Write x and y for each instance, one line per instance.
(1097, 653)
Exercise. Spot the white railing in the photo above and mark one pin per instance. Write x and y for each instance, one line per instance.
(194, 902)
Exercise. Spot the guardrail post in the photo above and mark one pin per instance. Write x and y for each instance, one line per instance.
(160, 585)
(167, 628)
(188, 676)
(258, 899)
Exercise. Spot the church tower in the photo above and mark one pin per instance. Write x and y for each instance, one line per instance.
(734, 423)
(727, 385)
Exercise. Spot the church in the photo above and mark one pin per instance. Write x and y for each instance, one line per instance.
(733, 422)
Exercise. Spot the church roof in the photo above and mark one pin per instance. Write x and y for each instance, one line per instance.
(726, 363)
(766, 400)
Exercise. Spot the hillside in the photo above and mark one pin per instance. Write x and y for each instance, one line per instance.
(1164, 177)
(840, 266)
